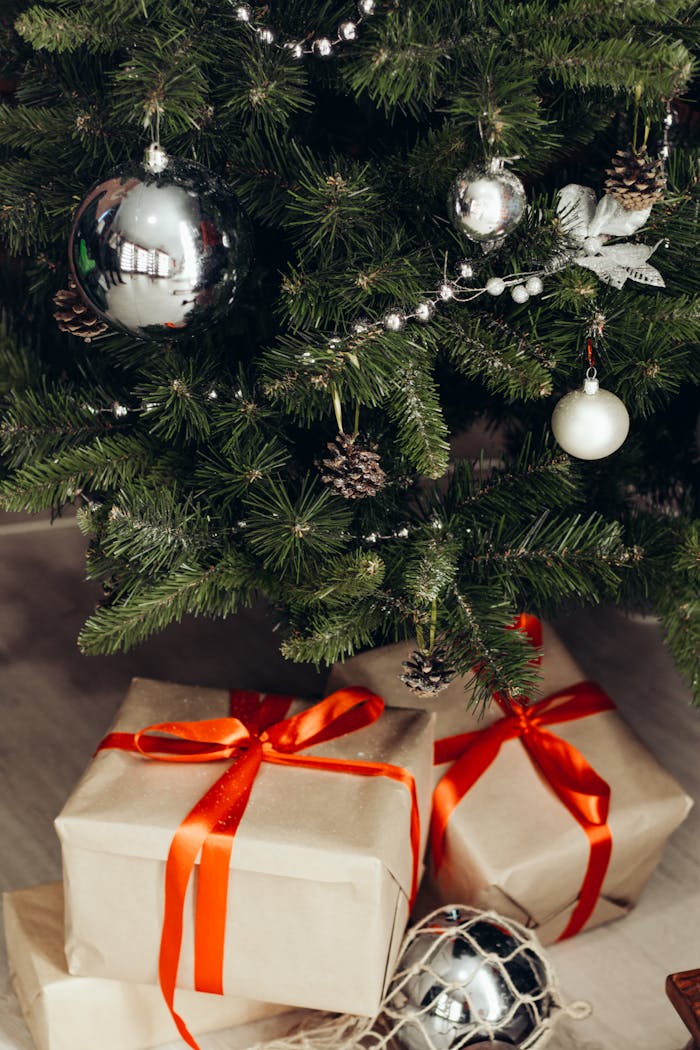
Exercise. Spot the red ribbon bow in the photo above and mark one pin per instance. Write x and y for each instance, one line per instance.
(575, 783)
(256, 732)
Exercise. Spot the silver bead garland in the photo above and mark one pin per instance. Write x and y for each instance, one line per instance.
(320, 46)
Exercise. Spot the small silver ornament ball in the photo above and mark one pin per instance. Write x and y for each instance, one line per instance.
(495, 286)
(347, 31)
(465, 984)
(590, 423)
(519, 293)
(486, 203)
(366, 7)
(394, 321)
(425, 311)
(323, 47)
(158, 251)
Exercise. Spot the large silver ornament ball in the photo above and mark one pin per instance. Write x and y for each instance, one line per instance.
(486, 203)
(467, 984)
(590, 423)
(160, 249)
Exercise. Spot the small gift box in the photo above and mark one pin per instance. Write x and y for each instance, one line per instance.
(81, 1013)
(553, 814)
(293, 839)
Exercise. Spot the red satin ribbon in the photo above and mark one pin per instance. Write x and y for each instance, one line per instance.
(575, 783)
(256, 732)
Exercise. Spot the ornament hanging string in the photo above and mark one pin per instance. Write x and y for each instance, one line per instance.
(590, 423)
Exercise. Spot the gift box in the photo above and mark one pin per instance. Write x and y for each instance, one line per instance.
(556, 816)
(322, 866)
(81, 1013)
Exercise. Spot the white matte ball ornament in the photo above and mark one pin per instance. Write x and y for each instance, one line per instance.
(534, 286)
(495, 286)
(519, 293)
(590, 423)
(486, 203)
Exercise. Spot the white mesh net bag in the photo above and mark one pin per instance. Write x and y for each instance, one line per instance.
(465, 978)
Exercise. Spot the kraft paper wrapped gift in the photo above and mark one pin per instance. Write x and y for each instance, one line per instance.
(510, 843)
(321, 865)
(81, 1013)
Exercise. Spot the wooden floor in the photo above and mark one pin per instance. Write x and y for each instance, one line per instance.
(55, 705)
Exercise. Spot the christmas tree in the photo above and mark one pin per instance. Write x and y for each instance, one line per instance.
(301, 437)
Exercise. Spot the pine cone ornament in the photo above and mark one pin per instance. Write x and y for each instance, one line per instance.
(427, 674)
(352, 469)
(75, 316)
(636, 180)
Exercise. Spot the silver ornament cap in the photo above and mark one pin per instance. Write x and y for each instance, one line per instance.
(590, 423)
(486, 203)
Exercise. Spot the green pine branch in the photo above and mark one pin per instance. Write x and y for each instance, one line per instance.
(291, 530)
(350, 578)
(39, 423)
(335, 634)
(61, 30)
(679, 607)
(421, 429)
(550, 560)
(493, 660)
(198, 590)
(153, 531)
(107, 463)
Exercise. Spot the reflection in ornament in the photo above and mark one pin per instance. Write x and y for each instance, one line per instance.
(160, 250)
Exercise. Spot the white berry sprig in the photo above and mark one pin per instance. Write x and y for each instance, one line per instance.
(461, 289)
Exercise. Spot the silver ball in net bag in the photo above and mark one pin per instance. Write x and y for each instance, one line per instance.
(486, 203)
(467, 977)
(161, 248)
